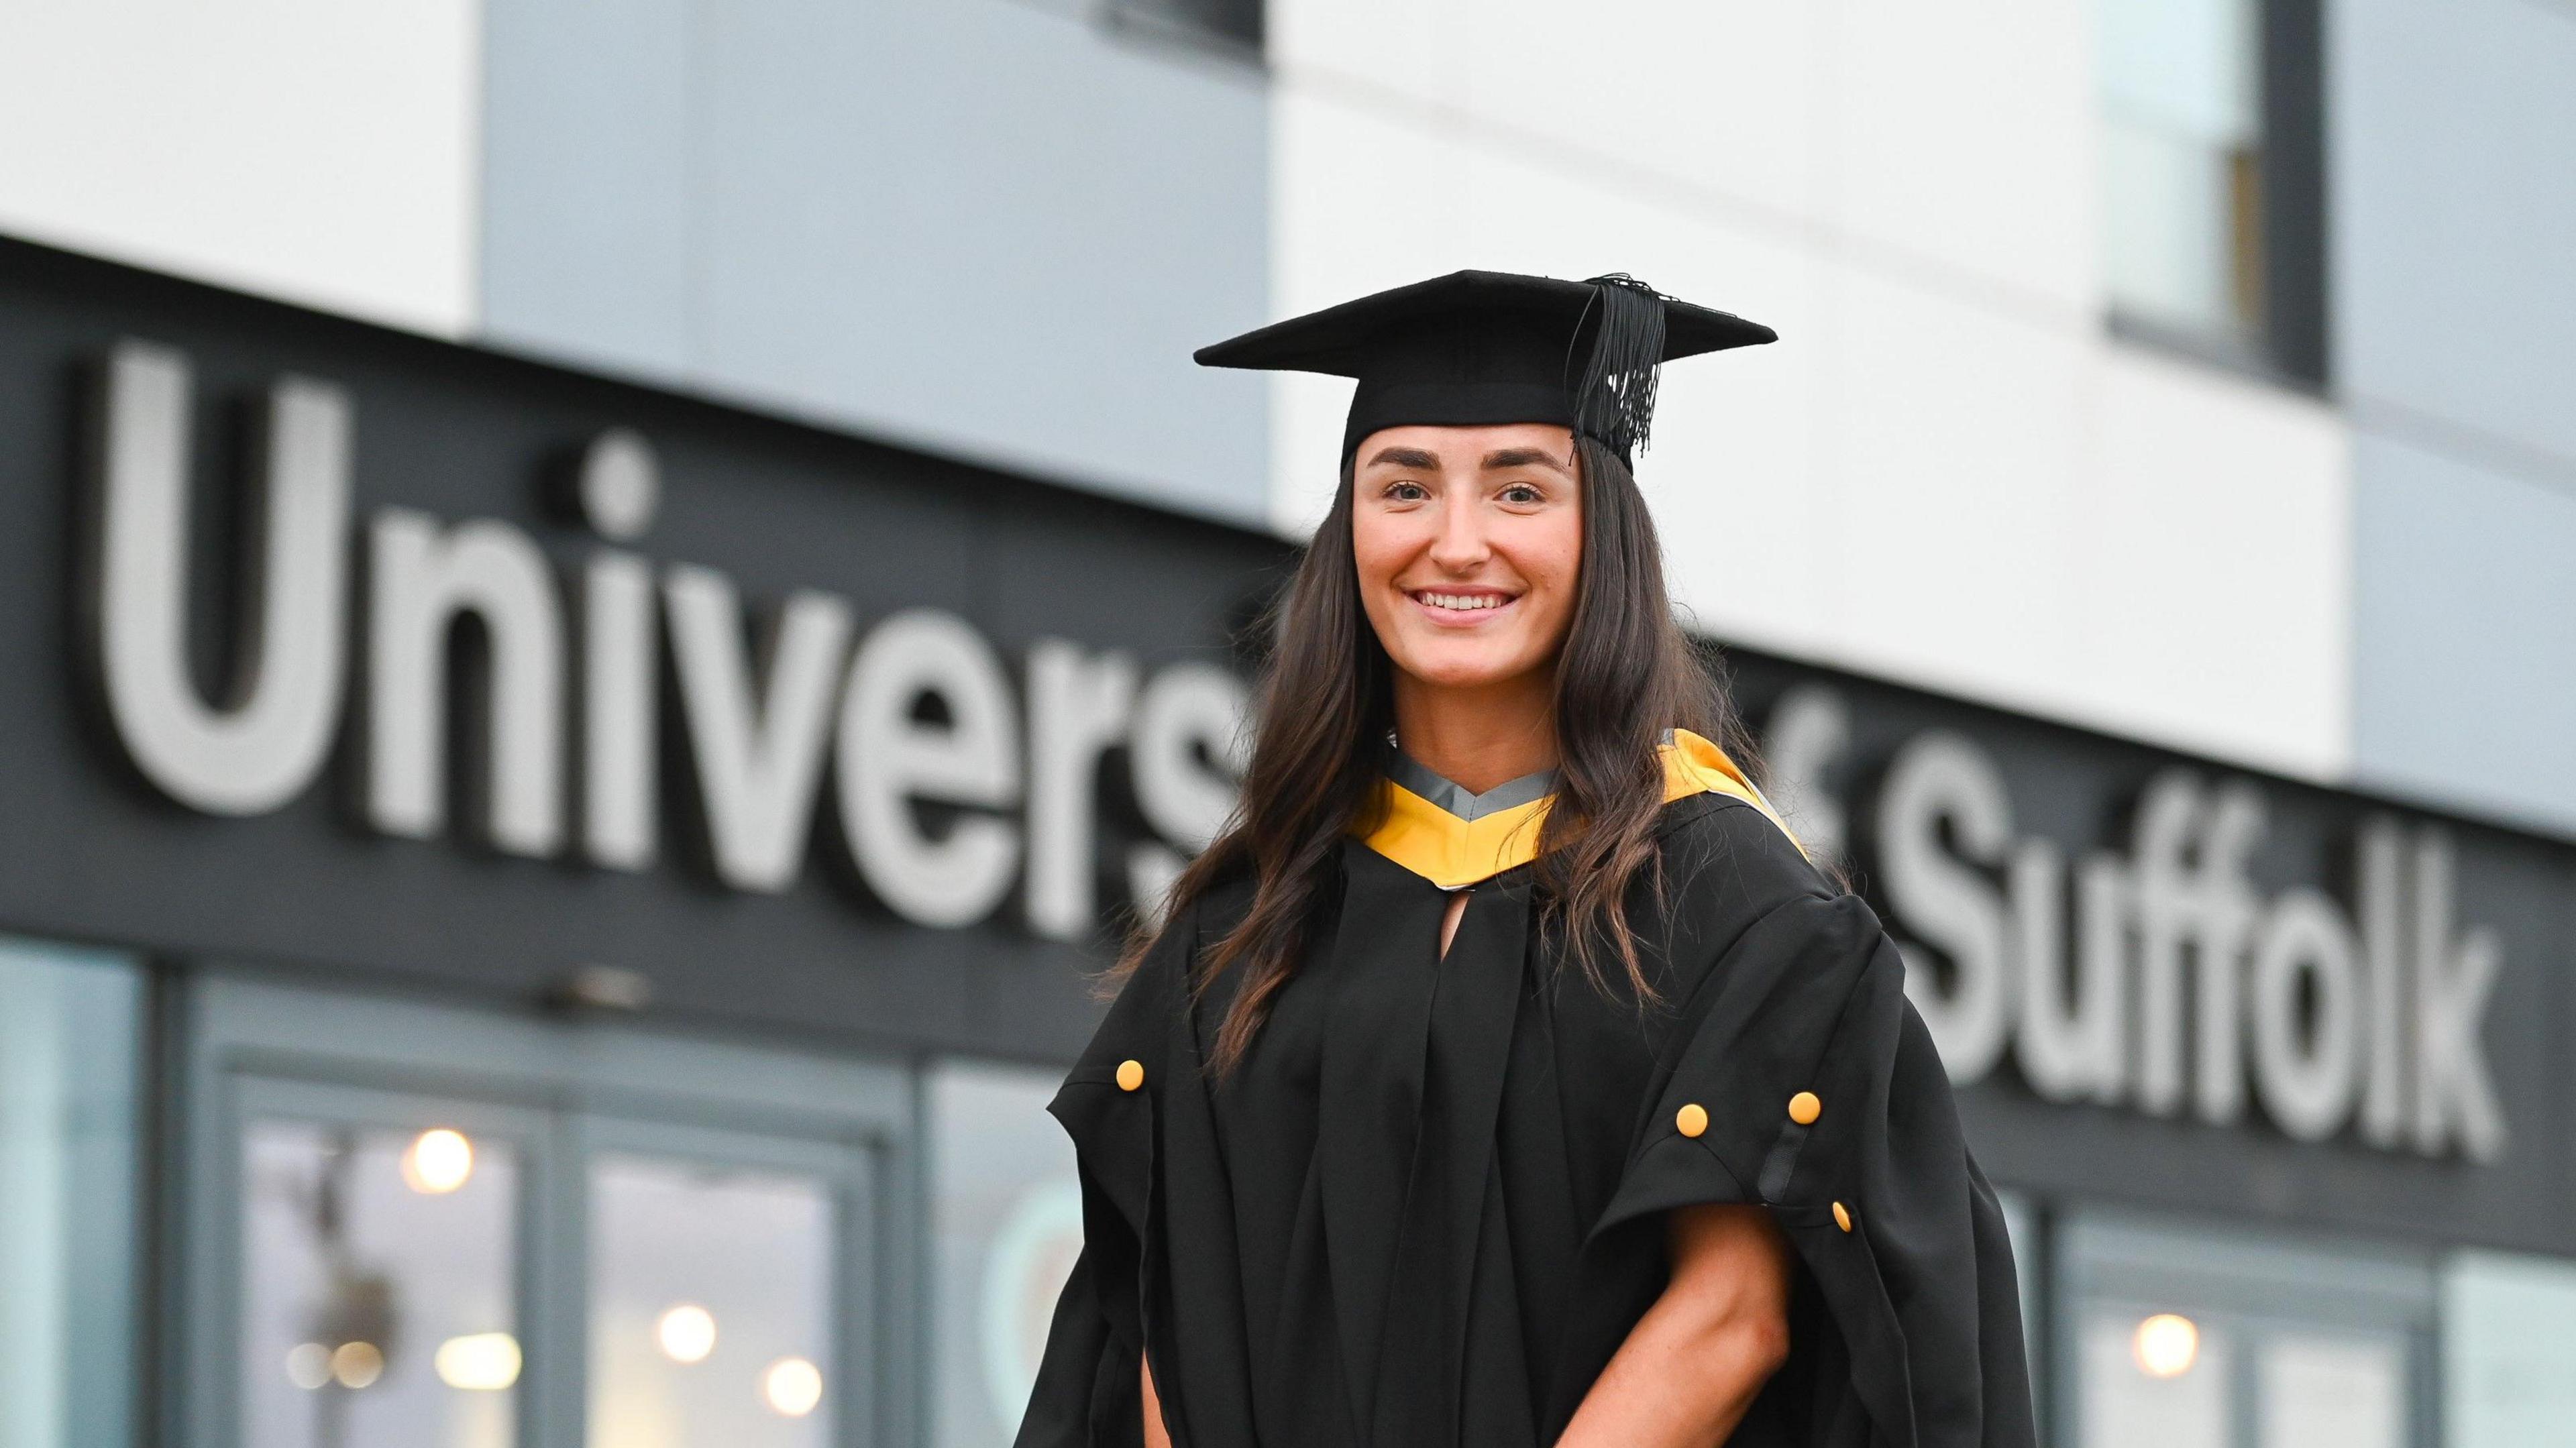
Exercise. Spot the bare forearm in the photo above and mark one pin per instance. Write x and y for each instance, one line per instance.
(1693, 1364)
(1156, 1435)
(1681, 1380)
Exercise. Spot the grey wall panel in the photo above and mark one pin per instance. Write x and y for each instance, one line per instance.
(586, 205)
(2453, 141)
(986, 226)
(2465, 633)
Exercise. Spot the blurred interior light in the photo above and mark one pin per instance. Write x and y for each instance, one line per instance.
(2166, 1345)
(357, 1364)
(308, 1365)
(479, 1362)
(687, 1333)
(793, 1386)
(438, 1161)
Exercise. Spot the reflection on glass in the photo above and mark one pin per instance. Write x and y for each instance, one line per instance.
(711, 1303)
(1006, 1226)
(68, 1119)
(2333, 1392)
(2166, 1345)
(439, 1161)
(2508, 1350)
(376, 1311)
(2167, 1400)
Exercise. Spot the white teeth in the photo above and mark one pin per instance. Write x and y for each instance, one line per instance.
(1463, 601)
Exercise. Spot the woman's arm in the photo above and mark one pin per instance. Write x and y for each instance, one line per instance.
(1692, 1365)
(1156, 1435)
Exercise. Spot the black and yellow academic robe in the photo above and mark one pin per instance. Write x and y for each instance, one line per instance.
(1428, 1206)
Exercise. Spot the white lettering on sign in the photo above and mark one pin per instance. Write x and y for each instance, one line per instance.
(260, 743)
(930, 761)
(2188, 988)
(890, 760)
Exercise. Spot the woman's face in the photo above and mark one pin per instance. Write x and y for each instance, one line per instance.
(1469, 541)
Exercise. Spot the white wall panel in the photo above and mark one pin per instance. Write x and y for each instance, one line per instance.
(318, 151)
(1390, 44)
(2216, 563)
(1953, 441)
(1720, 96)
(1963, 139)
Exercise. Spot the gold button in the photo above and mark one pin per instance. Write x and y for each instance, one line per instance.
(1691, 1120)
(1131, 1074)
(1804, 1108)
(1842, 1216)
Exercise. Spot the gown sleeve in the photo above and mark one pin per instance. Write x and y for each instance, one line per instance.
(1803, 1081)
(1087, 1394)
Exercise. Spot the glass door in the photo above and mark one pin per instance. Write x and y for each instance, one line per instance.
(409, 1227)
(2183, 1337)
(712, 1275)
(379, 1250)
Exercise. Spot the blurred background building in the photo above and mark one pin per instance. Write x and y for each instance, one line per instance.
(549, 914)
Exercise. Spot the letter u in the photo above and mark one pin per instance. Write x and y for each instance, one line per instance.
(264, 740)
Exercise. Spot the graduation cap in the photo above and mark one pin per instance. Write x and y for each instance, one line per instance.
(1480, 348)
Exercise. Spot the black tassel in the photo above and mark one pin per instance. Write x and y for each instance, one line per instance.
(1616, 402)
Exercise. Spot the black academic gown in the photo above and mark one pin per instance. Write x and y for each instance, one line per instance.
(1428, 1207)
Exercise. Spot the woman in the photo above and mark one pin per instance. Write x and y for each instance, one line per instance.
(1504, 1075)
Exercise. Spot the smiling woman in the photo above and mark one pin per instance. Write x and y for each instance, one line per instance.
(1503, 1074)
(1468, 542)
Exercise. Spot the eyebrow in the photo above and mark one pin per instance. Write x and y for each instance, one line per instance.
(1522, 457)
(1406, 457)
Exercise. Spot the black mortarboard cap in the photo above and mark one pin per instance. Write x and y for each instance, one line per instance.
(1480, 348)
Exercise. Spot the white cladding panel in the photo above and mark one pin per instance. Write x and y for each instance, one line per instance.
(1945, 471)
(2215, 566)
(1962, 139)
(1714, 94)
(320, 152)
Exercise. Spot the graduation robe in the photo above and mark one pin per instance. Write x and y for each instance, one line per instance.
(1428, 1206)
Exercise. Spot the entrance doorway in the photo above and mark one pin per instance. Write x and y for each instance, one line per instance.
(2170, 1336)
(411, 1226)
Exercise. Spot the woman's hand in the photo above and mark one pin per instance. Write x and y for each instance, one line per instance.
(1692, 1365)
(1156, 1435)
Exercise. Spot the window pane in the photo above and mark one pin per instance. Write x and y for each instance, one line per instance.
(377, 1276)
(2154, 1380)
(2185, 67)
(2167, 205)
(711, 1299)
(1006, 1225)
(68, 1118)
(2326, 1392)
(2508, 1350)
(2182, 178)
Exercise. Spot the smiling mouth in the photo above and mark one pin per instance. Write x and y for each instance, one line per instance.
(1461, 605)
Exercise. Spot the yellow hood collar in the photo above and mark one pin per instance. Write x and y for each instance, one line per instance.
(1433, 840)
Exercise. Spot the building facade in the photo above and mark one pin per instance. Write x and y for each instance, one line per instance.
(607, 606)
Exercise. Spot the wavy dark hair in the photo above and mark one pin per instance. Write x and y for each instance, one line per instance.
(1323, 708)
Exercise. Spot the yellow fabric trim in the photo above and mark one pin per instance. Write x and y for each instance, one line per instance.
(1453, 853)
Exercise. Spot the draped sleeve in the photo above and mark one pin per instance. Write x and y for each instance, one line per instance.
(1798, 1078)
(1087, 1392)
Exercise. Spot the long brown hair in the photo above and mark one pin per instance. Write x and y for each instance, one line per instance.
(1324, 705)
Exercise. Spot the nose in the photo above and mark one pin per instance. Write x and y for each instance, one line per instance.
(1461, 543)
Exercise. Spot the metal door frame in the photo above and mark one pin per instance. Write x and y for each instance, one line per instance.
(244, 1041)
(2252, 1280)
